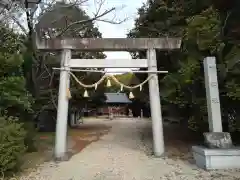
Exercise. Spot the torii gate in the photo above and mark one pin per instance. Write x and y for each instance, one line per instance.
(109, 44)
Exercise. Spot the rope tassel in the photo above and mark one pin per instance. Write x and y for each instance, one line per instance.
(96, 86)
(109, 83)
(85, 94)
(69, 96)
(121, 88)
(131, 96)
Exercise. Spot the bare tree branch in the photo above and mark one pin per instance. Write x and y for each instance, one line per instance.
(113, 22)
(19, 24)
(85, 21)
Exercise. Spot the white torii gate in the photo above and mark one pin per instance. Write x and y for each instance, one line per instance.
(109, 44)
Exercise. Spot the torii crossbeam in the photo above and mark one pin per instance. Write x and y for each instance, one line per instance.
(109, 44)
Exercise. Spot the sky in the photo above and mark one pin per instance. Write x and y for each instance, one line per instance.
(117, 30)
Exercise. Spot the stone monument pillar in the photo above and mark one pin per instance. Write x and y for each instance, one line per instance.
(213, 102)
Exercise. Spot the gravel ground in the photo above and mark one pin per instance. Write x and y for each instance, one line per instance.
(124, 154)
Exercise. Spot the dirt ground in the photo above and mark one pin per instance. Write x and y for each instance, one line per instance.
(86, 134)
(78, 139)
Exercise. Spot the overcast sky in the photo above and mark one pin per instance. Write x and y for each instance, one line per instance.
(120, 30)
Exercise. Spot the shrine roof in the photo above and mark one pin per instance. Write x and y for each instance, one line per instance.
(117, 98)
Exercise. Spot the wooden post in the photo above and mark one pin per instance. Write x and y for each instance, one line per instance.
(62, 112)
(156, 113)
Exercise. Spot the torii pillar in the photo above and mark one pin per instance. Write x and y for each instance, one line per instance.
(155, 103)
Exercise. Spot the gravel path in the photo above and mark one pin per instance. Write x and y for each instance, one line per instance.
(122, 155)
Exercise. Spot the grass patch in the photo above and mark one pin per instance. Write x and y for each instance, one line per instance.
(43, 142)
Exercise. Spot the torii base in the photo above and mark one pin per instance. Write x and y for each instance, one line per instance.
(66, 157)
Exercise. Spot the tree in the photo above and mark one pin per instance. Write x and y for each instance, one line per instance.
(200, 25)
(55, 20)
(74, 14)
(15, 100)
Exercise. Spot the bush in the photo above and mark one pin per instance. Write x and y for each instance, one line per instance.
(30, 136)
(12, 146)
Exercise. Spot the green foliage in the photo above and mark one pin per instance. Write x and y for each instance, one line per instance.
(203, 30)
(15, 101)
(12, 146)
(29, 139)
(14, 96)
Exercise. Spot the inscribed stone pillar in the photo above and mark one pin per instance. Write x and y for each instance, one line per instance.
(212, 93)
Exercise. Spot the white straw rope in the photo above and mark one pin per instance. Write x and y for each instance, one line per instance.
(113, 78)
